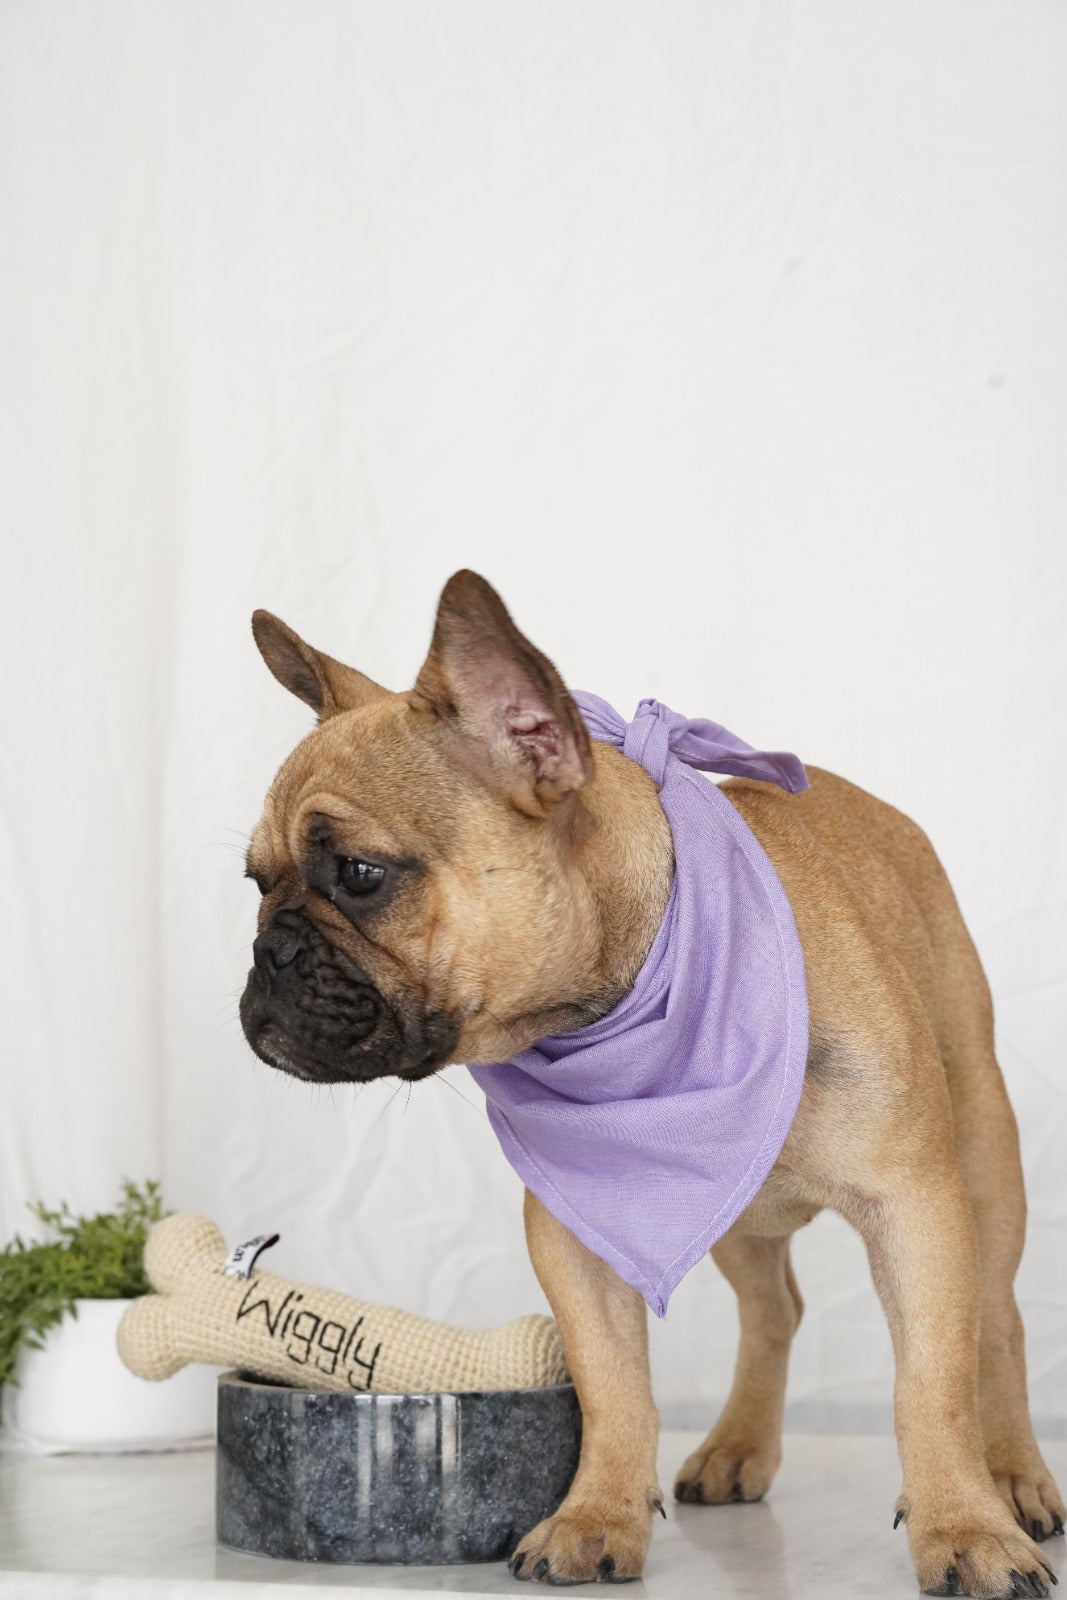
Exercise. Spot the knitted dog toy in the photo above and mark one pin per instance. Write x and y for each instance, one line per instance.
(313, 1338)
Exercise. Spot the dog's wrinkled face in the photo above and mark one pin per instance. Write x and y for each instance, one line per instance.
(412, 856)
(333, 993)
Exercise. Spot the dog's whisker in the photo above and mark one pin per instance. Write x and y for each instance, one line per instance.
(448, 1084)
(239, 843)
(507, 1027)
(392, 1097)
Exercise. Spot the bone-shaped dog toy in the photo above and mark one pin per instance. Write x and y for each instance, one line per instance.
(314, 1338)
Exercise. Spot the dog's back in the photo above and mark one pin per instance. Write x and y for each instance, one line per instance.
(866, 885)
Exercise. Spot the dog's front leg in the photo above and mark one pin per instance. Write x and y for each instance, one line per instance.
(603, 1527)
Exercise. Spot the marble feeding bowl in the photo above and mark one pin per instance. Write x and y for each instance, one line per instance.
(416, 1479)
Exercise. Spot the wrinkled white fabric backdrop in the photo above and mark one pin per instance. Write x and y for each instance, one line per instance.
(729, 341)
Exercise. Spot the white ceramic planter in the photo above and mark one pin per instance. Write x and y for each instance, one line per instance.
(75, 1393)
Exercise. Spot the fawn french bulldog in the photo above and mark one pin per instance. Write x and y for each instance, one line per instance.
(456, 873)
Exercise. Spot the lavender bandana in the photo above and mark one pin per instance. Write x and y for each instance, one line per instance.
(648, 1133)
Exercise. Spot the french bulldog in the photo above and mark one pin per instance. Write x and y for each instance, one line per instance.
(454, 873)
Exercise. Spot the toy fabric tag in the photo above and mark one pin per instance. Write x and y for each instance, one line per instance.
(242, 1258)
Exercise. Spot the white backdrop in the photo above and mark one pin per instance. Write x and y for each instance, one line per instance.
(728, 341)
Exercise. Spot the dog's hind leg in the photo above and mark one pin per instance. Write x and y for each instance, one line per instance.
(1011, 1450)
(918, 1226)
(987, 1149)
(740, 1456)
(987, 1156)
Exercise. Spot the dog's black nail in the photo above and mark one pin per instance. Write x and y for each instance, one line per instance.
(539, 1571)
(950, 1583)
(516, 1562)
(1057, 1522)
(1051, 1575)
(1037, 1533)
(659, 1507)
(1036, 1583)
(679, 1489)
(1019, 1585)
(898, 1519)
(605, 1569)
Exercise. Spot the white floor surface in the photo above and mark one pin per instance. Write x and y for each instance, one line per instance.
(127, 1527)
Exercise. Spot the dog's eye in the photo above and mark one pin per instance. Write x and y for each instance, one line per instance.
(259, 880)
(358, 877)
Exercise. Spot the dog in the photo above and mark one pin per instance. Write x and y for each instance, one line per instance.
(455, 873)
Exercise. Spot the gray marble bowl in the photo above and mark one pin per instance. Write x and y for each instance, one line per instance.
(418, 1479)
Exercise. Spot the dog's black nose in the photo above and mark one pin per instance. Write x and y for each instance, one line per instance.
(275, 948)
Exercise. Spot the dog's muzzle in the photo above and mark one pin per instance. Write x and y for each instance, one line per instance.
(309, 1011)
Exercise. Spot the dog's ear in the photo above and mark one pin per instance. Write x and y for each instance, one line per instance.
(520, 729)
(324, 684)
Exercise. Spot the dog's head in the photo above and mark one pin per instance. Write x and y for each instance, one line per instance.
(415, 859)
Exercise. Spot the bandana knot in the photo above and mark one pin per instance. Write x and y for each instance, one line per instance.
(647, 739)
(657, 733)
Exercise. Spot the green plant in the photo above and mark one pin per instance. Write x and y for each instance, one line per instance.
(86, 1258)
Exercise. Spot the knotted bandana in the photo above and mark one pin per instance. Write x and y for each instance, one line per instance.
(648, 1132)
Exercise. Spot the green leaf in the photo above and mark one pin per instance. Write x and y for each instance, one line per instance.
(88, 1258)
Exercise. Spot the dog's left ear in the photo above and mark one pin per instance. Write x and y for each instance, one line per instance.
(520, 729)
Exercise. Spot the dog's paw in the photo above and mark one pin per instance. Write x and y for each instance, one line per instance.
(1002, 1564)
(1028, 1491)
(725, 1470)
(584, 1546)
